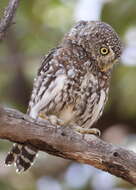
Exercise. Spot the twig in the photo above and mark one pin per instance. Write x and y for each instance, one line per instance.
(6, 21)
(66, 143)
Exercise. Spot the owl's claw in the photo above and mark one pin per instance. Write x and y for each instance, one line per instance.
(84, 131)
(42, 116)
(53, 119)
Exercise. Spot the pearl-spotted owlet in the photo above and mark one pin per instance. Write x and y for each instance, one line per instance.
(72, 84)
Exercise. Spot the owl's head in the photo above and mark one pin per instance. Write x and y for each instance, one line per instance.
(100, 42)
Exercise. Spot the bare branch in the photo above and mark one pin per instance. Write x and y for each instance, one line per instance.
(6, 21)
(66, 143)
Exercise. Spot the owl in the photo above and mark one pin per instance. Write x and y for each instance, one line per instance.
(72, 84)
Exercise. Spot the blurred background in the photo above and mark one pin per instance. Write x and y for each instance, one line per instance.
(38, 27)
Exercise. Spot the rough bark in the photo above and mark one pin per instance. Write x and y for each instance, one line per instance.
(66, 143)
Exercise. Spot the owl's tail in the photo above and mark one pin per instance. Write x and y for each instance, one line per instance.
(22, 156)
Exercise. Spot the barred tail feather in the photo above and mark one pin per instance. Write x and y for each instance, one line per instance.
(12, 155)
(26, 158)
(22, 156)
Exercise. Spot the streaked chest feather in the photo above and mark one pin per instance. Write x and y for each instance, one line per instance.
(98, 108)
(90, 115)
(53, 90)
(81, 103)
(88, 105)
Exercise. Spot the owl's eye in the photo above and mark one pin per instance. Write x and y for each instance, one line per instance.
(104, 51)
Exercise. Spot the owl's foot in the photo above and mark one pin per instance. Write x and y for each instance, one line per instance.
(43, 116)
(84, 131)
(53, 119)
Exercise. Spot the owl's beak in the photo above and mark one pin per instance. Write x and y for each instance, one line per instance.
(106, 67)
(109, 66)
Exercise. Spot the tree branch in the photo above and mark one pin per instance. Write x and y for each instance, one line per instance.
(6, 21)
(66, 143)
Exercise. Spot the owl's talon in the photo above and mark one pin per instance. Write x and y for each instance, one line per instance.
(43, 116)
(84, 131)
(53, 119)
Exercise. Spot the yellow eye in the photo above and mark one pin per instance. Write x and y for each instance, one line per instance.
(104, 51)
